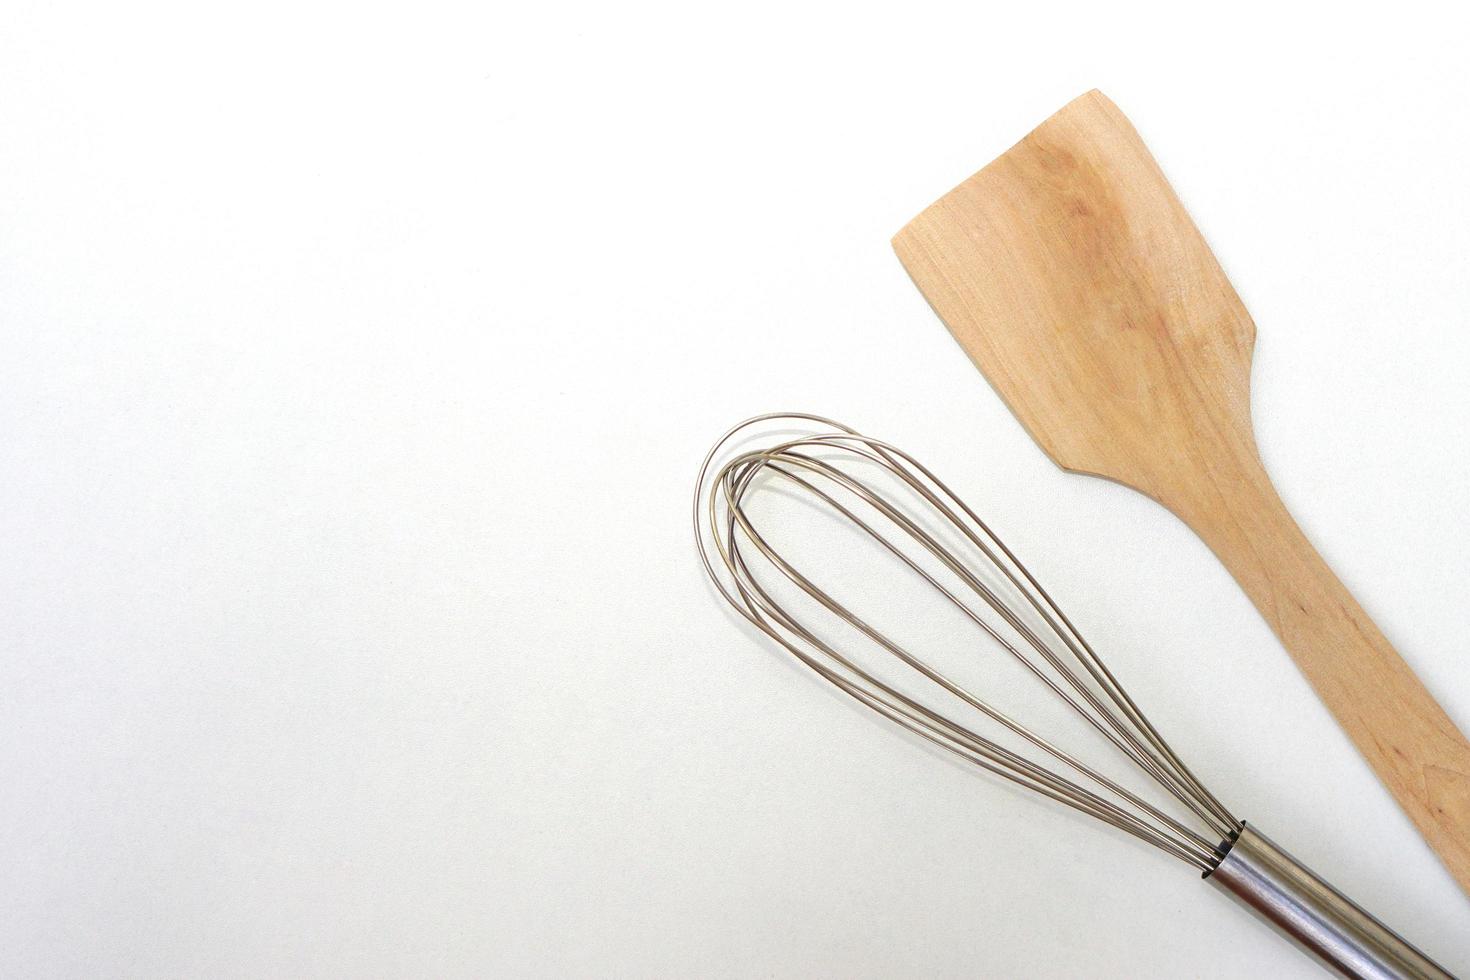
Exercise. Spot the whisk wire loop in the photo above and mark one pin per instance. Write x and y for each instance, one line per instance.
(730, 543)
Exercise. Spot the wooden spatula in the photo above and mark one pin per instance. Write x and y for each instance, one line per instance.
(1073, 277)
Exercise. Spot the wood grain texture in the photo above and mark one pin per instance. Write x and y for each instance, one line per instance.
(1073, 277)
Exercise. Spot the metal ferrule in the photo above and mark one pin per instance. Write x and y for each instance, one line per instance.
(1310, 912)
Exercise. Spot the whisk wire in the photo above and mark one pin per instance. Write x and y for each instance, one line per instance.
(721, 517)
(1119, 735)
(943, 681)
(1046, 608)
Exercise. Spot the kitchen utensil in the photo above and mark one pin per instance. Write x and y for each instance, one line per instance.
(905, 516)
(1073, 277)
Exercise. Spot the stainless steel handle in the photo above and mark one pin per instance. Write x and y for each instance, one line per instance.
(1322, 920)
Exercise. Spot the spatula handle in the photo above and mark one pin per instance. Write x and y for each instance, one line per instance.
(1399, 728)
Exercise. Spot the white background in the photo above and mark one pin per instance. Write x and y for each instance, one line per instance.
(357, 362)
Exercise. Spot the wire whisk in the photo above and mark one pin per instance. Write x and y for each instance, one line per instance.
(912, 520)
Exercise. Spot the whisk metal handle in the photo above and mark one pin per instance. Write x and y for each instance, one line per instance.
(1322, 920)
